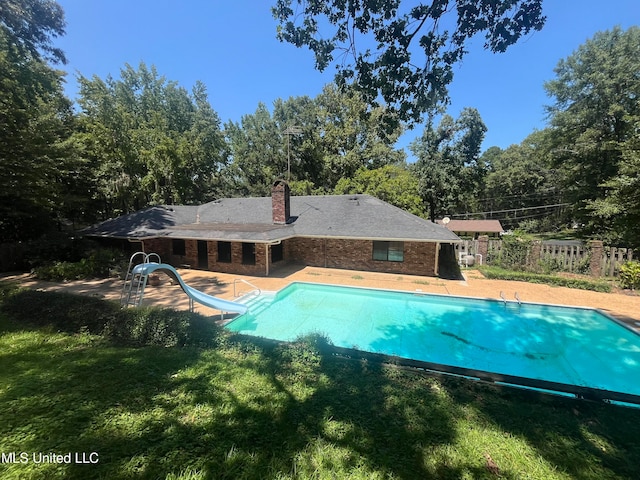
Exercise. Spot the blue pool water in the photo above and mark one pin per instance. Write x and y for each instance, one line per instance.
(574, 346)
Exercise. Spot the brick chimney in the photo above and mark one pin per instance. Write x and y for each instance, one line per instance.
(280, 202)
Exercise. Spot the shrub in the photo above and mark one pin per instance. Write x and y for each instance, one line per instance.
(132, 327)
(630, 275)
(502, 274)
(53, 247)
(515, 251)
(548, 265)
(98, 263)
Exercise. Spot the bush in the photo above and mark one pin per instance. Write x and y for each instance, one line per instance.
(58, 246)
(502, 274)
(630, 275)
(132, 327)
(515, 250)
(100, 263)
(548, 265)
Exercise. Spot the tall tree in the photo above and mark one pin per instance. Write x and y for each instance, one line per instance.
(401, 52)
(448, 165)
(314, 141)
(350, 138)
(394, 184)
(150, 141)
(32, 25)
(595, 119)
(520, 177)
(258, 156)
(621, 206)
(35, 121)
(299, 123)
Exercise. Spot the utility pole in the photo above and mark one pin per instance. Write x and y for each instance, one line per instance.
(292, 130)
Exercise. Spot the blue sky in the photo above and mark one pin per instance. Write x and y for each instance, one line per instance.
(231, 47)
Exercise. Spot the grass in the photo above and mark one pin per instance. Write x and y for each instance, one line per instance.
(240, 408)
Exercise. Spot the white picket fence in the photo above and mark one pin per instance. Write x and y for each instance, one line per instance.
(570, 256)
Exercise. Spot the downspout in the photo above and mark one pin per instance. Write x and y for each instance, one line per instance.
(266, 253)
(141, 242)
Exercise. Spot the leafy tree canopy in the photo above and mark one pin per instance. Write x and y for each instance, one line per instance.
(33, 24)
(35, 120)
(394, 184)
(399, 53)
(520, 177)
(314, 142)
(448, 166)
(594, 127)
(150, 140)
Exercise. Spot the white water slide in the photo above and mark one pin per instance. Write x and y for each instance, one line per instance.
(133, 289)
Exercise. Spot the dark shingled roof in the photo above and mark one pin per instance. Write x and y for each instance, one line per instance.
(250, 219)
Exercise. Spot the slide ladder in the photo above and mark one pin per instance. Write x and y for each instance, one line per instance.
(136, 279)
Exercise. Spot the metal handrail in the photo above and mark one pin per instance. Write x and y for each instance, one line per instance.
(139, 279)
(503, 299)
(235, 282)
(153, 254)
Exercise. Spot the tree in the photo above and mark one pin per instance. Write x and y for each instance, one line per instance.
(448, 167)
(149, 140)
(351, 139)
(594, 120)
(258, 156)
(408, 57)
(333, 138)
(394, 184)
(621, 206)
(31, 26)
(520, 177)
(35, 121)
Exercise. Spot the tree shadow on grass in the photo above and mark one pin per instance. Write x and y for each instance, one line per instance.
(241, 412)
(257, 409)
(573, 435)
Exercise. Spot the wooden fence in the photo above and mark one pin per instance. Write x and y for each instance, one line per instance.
(568, 256)
(613, 257)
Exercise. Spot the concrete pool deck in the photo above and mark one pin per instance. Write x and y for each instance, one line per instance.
(624, 307)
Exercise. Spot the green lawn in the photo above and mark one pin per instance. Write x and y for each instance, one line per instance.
(243, 409)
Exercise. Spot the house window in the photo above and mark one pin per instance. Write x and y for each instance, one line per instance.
(224, 252)
(179, 247)
(277, 253)
(248, 253)
(388, 251)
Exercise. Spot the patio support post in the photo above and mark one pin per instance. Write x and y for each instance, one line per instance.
(266, 258)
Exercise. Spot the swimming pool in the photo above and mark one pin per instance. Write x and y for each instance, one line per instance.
(578, 351)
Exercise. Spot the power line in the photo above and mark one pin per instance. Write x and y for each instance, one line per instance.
(521, 209)
(542, 193)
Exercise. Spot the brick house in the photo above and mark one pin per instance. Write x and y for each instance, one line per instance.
(252, 236)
